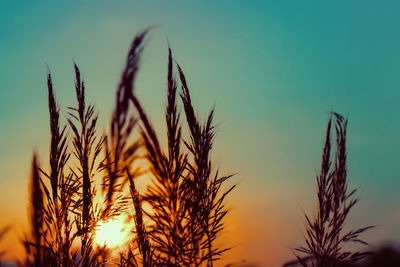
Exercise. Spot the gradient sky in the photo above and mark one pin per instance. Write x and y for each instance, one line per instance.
(273, 72)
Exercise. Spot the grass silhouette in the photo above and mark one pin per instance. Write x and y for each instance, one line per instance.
(61, 192)
(33, 247)
(87, 148)
(324, 238)
(185, 196)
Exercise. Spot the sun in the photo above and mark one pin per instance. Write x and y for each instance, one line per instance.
(111, 233)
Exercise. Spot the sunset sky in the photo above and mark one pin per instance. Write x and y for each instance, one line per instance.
(273, 73)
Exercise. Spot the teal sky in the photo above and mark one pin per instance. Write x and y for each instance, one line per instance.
(273, 72)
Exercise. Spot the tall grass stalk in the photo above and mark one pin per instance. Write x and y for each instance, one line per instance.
(62, 187)
(36, 195)
(186, 200)
(204, 196)
(186, 197)
(141, 240)
(169, 232)
(120, 153)
(33, 242)
(324, 234)
(87, 147)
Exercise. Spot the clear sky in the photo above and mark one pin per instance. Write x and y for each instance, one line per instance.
(273, 72)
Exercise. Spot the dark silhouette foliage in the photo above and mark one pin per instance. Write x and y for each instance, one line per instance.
(204, 196)
(186, 198)
(169, 231)
(87, 148)
(60, 195)
(324, 234)
(36, 195)
(120, 154)
(386, 256)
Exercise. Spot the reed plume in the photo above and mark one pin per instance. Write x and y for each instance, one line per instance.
(120, 154)
(204, 196)
(33, 241)
(187, 203)
(37, 231)
(87, 147)
(168, 232)
(324, 238)
(62, 187)
(59, 198)
(186, 197)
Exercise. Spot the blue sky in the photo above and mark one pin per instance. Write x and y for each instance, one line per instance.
(274, 71)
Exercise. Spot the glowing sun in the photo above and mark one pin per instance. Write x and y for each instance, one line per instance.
(111, 233)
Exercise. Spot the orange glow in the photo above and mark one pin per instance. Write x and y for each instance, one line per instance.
(111, 233)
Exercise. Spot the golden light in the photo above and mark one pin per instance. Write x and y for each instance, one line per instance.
(111, 233)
